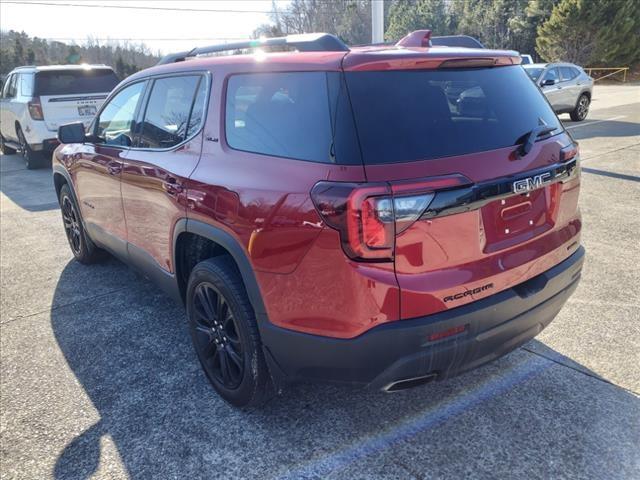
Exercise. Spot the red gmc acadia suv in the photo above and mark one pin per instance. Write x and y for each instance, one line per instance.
(378, 216)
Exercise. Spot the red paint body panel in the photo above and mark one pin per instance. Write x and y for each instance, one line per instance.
(306, 281)
(448, 255)
(153, 192)
(95, 170)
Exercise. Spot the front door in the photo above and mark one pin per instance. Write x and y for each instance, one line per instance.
(97, 166)
(166, 152)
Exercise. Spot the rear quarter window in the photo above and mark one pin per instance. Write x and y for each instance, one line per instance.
(568, 73)
(280, 114)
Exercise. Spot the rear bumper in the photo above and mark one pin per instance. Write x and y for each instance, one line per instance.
(400, 350)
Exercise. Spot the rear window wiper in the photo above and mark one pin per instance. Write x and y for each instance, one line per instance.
(531, 137)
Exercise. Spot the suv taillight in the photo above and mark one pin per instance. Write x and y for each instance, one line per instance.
(35, 109)
(370, 215)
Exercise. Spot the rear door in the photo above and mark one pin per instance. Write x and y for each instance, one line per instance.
(495, 217)
(72, 95)
(167, 150)
(571, 86)
(553, 92)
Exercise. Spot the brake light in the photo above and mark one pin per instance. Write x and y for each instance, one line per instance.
(35, 109)
(370, 215)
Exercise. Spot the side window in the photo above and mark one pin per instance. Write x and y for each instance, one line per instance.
(26, 84)
(10, 87)
(280, 114)
(5, 87)
(197, 112)
(167, 116)
(115, 125)
(551, 75)
(568, 73)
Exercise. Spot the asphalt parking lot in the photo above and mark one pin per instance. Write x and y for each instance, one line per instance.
(98, 377)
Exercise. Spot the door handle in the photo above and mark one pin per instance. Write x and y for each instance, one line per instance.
(172, 186)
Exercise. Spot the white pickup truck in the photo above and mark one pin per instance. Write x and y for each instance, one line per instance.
(37, 100)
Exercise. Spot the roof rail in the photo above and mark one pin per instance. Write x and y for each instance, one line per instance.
(307, 42)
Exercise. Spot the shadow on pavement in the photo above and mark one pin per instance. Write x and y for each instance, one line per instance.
(522, 415)
(24, 187)
(609, 128)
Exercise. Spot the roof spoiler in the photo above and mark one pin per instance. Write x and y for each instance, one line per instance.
(456, 41)
(423, 38)
(308, 42)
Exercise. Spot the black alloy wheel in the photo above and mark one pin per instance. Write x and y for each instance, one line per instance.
(72, 227)
(224, 332)
(31, 158)
(582, 109)
(82, 247)
(216, 339)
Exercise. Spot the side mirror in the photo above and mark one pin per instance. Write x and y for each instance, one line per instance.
(548, 82)
(71, 133)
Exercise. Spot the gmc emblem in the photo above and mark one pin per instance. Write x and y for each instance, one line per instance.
(531, 183)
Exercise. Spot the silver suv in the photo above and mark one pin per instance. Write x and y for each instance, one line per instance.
(567, 87)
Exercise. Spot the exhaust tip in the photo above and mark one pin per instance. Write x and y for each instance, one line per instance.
(410, 383)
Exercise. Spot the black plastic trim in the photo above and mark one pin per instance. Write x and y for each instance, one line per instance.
(107, 241)
(401, 350)
(230, 244)
(458, 200)
(147, 265)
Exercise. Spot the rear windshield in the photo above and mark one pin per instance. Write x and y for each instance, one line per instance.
(409, 115)
(69, 82)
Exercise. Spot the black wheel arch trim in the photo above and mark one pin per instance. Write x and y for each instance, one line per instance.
(59, 170)
(231, 245)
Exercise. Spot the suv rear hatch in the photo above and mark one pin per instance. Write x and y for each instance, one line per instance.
(72, 95)
(474, 213)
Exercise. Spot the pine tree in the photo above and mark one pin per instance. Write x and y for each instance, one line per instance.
(407, 16)
(592, 32)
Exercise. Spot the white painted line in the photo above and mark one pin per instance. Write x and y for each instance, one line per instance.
(593, 123)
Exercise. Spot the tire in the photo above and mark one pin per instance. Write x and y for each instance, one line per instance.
(225, 334)
(6, 150)
(32, 159)
(83, 249)
(582, 108)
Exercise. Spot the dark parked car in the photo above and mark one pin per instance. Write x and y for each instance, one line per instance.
(316, 234)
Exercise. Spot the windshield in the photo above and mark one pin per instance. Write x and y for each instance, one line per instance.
(534, 73)
(70, 82)
(410, 115)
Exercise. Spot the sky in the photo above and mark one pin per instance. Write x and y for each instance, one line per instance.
(159, 24)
